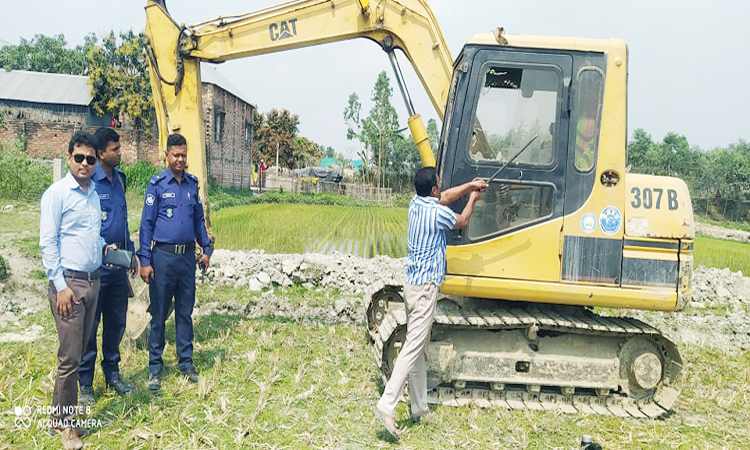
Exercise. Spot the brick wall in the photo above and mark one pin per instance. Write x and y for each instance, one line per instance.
(228, 151)
(49, 140)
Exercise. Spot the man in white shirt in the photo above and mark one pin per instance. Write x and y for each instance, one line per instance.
(72, 252)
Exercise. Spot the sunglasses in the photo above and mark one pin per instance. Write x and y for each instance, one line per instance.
(89, 159)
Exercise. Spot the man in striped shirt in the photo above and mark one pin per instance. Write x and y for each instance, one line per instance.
(429, 218)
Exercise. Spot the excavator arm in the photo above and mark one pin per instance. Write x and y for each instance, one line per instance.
(175, 52)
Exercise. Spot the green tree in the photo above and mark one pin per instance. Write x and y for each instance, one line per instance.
(47, 54)
(306, 153)
(641, 152)
(275, 130)
(119, 79)
(679, 159)
(726, 177)
(433, 135)
(354, 130)
(381, 125)
(402, 163)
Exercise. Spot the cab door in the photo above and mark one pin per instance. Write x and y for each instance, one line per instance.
(508, 107)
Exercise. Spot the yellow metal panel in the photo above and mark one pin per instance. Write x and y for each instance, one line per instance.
(567, 294)
(409, 23)
(548, 42)
(658, 207)
(530, 254)
(184, 109)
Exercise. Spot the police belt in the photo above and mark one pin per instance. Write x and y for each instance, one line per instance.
(78, 275)
(177, 249)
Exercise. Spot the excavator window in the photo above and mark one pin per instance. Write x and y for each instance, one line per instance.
(516, 104)
(517, 108)
(507, 206)
(588, 109)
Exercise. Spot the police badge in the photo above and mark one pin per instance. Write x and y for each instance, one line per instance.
(169, 213)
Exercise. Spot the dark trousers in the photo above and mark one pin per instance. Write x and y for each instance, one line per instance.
(112, 310)
(73, 333)
(174, 276)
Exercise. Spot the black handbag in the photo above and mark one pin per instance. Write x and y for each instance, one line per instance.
(119, 257)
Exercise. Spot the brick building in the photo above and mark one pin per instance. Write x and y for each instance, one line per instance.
(227, 117)
(45, 109)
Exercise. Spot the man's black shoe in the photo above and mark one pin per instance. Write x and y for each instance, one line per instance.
(118, 385)
(154, 381)
(190, 374)
(86, 395)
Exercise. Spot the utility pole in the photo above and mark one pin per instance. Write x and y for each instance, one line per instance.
(277, 156)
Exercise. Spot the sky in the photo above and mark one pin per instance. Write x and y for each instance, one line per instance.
(688, 67)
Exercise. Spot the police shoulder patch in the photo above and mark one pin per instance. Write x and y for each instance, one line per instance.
(155, 179)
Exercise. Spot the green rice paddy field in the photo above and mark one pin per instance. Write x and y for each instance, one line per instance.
(370, 231)
(296, 228)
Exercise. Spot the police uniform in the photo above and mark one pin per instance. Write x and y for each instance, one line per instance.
(171, 222)
(112, 307)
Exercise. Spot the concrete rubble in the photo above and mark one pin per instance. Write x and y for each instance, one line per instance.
(718, 315)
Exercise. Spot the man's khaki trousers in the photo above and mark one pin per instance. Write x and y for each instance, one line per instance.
(420, 301)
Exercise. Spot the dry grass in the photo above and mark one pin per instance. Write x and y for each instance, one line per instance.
(271, 384)
(274, 384)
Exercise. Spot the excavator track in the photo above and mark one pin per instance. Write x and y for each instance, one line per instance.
(533, 356)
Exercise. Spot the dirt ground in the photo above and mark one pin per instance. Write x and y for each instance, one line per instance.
(20, 294)
(721, 233)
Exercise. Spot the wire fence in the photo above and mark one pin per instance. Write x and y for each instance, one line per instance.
(311, 185)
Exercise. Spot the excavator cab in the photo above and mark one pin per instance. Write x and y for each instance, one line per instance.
(543, 120)
(505, 102)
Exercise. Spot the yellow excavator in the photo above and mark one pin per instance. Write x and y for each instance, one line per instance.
(563, 230)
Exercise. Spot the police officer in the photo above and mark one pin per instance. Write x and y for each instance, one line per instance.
(112, 307)
(172, 220)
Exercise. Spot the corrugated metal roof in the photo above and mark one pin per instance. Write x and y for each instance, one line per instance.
(39, 87)
(212, 76)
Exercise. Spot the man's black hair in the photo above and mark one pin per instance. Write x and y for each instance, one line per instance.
(104, 136)
(175, 140)
(81, 138)
(424, 180)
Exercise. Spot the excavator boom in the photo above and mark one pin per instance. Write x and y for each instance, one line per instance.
(175, 53)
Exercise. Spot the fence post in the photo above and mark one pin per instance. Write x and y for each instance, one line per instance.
(57, 169)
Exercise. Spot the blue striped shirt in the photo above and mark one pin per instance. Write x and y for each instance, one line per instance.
(69, 229)
(428, 221)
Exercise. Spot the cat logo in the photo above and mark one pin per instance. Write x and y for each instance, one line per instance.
(282, 29)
